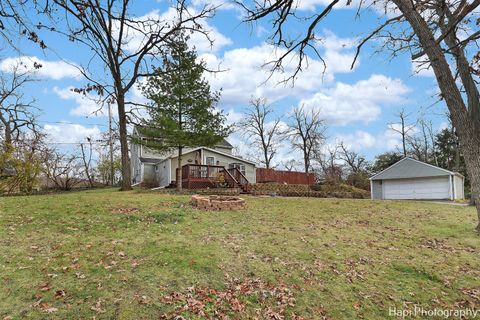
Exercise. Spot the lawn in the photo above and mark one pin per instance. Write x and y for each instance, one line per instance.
(132, 255)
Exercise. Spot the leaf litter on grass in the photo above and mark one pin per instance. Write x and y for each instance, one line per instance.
(239, 298)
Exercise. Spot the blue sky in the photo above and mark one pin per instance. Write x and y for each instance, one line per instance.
(357, 104)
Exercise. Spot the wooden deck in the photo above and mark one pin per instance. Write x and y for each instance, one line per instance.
(199, 176)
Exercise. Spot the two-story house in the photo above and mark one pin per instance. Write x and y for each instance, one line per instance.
(156, 169)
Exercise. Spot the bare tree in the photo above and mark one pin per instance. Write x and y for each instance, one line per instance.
(125, 47)
(403, 128)
(291, 165)
(327, 158)
(16, 112)
(87, 161)
(108, 167)
(14, 24)
(431, 136)
(420, 144)
(428, 28)
(355, 161)
(306, 132)
(262, 132)
(64, 171)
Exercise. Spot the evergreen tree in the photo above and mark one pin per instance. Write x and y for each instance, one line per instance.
(385, 160)
(182, 110)
(450, 155)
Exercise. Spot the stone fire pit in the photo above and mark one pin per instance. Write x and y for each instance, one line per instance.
(218, 203)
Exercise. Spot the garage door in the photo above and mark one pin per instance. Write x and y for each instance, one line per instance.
(420, 188)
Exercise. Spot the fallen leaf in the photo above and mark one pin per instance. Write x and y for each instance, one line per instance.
(44, 287)
(60, 294)
(80, 275)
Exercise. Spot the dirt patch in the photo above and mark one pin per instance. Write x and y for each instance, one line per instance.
(124, 210)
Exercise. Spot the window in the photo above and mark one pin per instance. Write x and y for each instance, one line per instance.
(239, 166)
(210, 161)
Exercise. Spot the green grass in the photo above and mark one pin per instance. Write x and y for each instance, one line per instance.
(132, 255)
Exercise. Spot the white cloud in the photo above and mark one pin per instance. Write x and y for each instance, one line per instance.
(338, 53)
(359, 102)
(361, 140)
(158, 20)
(85, 105)
(233, 116)
(71, 133)
(219, 4)
(311, 5)
(443, 125)
(358, 140)
(245, 73)
(46, 69)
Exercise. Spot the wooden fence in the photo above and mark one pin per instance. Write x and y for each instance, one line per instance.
(289, 177)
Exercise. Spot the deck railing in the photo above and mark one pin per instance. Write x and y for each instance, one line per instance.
(239, 177)
(199, 176)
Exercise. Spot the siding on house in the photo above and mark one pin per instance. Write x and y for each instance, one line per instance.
(225, 160)
(149, 177)
(187, 158)
(223, 149)
(136, 164)
(162, 172)
(377, 190)
(458, 183)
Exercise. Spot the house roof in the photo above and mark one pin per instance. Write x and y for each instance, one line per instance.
(215, 151)
(224, 143)
(411, 168)
(149, 160)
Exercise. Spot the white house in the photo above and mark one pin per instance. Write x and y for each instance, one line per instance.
(413, 179)
(159, 169)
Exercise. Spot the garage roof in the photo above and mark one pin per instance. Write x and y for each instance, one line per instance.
(411, 168)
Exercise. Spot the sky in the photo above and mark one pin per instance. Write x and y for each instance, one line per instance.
(357, 104)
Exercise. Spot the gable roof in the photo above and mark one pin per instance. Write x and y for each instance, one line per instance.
(224, 143)
(411, 168)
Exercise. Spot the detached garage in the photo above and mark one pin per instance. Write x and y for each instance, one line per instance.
(413, 179)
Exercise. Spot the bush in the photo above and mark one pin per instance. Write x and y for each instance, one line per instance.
(318, 190)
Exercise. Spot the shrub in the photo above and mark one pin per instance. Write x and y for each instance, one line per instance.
(318, 190)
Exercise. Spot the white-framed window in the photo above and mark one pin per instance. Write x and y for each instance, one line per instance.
(210, 161)
(239, 166)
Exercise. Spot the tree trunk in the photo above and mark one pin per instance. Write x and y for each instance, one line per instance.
(265, 154)
(8, 136)
(306, 160)
(110, 142)
(179, 171)
(122, 126)
(467, 131)
(87, 166)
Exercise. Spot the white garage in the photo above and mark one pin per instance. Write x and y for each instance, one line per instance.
(413, 179)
